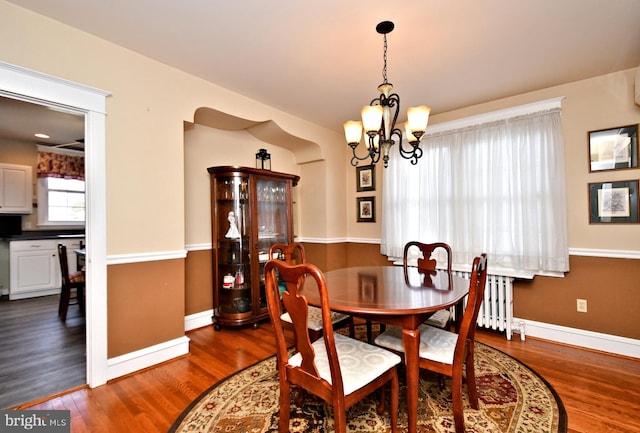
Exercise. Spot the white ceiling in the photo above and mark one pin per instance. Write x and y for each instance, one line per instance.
(20, 120)
(322, 60)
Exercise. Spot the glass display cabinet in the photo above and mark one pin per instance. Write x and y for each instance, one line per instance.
(251, 209)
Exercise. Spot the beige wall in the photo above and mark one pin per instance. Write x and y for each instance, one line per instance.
(145, 148)
(145, 123)
(207, 147)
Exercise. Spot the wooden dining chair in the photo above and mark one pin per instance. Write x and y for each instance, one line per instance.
(338, 369)
(441, 318)
(73, 286)
(294, 254)
(446, 352)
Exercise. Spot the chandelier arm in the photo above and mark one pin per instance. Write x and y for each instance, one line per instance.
(413, 154)
(371, 154)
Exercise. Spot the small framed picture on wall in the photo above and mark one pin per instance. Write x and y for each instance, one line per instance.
(614, 148)
(613, 202)
(366, 178)
(366, 208)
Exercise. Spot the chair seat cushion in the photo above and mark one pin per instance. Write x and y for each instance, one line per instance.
(439, 319)
(435, 344)
(360, 363)
(314, 321)
(76, 277)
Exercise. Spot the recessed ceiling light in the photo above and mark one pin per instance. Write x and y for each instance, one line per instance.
(39, 135)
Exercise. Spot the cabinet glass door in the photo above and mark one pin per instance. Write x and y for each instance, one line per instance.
(234, 260)
(273, 222)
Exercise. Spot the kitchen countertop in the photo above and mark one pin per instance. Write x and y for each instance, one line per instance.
(46, 234)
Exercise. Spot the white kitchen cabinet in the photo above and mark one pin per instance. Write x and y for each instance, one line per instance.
(16, 189)
(34, 269)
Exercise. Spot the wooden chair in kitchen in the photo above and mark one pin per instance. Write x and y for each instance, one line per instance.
(294, 254)
(447, 352)
(73, 286)
(441, 318)
(338, 369)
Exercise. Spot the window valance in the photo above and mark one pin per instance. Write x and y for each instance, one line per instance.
(67, 164)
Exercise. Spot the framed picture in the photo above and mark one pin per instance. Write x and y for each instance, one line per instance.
(613, 202)
(613, 149)
(366, 178)
(366, 209)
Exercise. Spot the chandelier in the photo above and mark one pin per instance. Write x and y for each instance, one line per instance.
(378, 125)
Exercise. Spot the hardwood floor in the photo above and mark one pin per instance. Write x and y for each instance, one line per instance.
(601, 393)
(39, 354)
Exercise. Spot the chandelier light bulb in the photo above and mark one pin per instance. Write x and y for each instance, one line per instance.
(371, 118)
(417, 118)
(352, 131)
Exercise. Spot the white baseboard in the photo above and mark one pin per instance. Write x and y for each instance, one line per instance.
(579, 337)
(198, 320)
(147, 357)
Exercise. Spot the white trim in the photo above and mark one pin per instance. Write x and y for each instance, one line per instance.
(27, 85)
(198, 320)
(147, 357)
(34, 86)
(119, 259)
(338, 240)
(198, 247)
(493, 116)
(581, 338)
(618, 254)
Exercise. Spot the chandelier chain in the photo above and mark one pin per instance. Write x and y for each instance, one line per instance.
(384, 57)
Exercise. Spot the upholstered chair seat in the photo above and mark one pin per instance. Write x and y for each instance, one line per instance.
(315, 318)
(436, 344)
(360, 362)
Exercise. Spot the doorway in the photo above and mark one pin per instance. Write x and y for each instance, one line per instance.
(31, 86)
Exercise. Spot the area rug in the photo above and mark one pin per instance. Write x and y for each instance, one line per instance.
(513, 398)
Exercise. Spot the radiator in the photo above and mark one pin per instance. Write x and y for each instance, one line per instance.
(496, 311)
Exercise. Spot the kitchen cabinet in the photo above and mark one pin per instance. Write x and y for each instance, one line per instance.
(33, 269)
(251, 209)
(16, 189)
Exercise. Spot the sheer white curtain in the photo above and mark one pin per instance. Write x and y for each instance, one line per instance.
(497, 187)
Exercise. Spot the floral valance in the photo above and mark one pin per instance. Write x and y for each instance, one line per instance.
(60, 163)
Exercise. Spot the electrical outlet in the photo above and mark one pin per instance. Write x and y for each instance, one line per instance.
(581, 305)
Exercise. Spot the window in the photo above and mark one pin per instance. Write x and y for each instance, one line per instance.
(61, 202)
(496, 186)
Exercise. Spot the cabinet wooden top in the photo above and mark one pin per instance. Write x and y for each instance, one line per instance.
(233, 170)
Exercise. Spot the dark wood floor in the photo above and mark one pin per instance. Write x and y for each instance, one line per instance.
(39, 355)
(601, 393)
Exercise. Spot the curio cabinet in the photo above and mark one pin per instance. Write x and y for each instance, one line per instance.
(251, 209)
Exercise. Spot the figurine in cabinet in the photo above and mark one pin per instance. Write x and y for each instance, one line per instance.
(233, 232)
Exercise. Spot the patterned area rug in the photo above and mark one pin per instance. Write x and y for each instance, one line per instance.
(513, 398)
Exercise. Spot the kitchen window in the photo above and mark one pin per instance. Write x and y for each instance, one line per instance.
(61, 202)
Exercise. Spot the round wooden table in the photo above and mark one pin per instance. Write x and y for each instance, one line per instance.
(390, 295)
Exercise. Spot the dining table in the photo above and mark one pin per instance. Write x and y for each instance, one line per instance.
(398, 297)
(81, 254)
